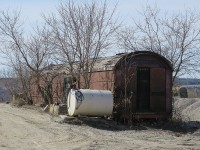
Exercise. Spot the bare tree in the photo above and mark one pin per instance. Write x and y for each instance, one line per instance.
(9, 83)
(40, 50)
(82, 32)
(176, 37)
(19, 82)
(12, 40)
(33, 52)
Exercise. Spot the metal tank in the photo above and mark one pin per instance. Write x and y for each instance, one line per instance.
(89, 102)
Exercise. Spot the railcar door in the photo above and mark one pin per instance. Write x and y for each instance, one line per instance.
(158, 90)
(143, 89)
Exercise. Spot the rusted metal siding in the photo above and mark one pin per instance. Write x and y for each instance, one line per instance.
(36, 97)
(57, 85)
(169, 92)
(132, 87)
(101, 80)
(122, 80)
(157, 90)
(126, 95)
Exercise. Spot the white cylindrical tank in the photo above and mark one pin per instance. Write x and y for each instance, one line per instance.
(89, 102)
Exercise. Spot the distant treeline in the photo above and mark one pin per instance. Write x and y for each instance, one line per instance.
(186, 81)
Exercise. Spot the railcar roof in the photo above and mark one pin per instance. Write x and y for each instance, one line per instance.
(102, 63)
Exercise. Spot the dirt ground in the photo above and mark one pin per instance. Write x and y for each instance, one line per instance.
(31, 129)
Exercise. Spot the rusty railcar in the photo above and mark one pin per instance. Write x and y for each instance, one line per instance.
(142, 86)
(141, 83)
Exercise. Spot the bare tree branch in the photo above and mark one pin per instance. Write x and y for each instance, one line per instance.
(176, 37)
(82, 32)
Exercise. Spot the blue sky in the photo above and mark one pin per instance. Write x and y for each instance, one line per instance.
(126, 10)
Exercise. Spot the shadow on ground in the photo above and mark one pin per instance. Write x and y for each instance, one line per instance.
(106, 124)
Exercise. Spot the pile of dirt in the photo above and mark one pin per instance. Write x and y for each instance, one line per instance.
(187, 109)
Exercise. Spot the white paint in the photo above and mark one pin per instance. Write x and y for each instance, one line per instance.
(89, 102)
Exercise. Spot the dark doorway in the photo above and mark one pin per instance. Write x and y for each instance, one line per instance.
(143, 89)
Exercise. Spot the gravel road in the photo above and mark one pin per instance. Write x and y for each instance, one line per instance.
(30, 129)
